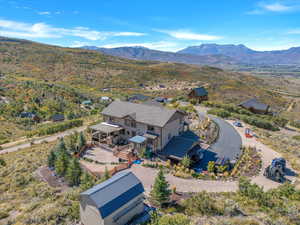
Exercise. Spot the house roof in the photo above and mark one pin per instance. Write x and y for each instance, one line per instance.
(139, 97)
(115, 192)
(58, 117)
(148, 114)
(180, 146)
(200, 91)
(255, 104)
(87, 102)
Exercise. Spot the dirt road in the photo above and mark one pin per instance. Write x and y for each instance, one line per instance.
(42, 139)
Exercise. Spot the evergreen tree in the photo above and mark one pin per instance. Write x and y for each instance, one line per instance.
(61, 146)
(72, 144)
(86, 181)
(51, 159)
(73, 172)
(186, 161)
(61, 163)
(106, 175)
(160, 192)
(81, 141)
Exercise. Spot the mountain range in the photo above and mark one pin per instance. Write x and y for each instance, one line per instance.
(210, 54)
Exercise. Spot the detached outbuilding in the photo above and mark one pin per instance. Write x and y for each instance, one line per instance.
(113, 202)
(253, 105)
(199, 94)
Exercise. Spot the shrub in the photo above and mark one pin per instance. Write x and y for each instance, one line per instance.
(2, 162)
(295, 124)
(297, 137)
(211, 167)
(201, 204)
(219, 112)
(54, 128)
(177, 219)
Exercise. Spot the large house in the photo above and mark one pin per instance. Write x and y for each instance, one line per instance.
(199, 94)
(253, 105)
(149, 125)
(113, 202)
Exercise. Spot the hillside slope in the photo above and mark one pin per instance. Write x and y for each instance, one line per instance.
(89, 71)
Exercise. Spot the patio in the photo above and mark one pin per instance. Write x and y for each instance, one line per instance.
(101, 155)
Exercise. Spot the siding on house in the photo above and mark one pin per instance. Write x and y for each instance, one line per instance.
(169, 126)
(113, 202)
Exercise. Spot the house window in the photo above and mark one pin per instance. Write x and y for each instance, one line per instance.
(150, 128)
(133, 124)
(127, 122)
(130, 123)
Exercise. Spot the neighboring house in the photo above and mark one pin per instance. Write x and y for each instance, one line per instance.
(87, 103)
(138, 97)
(200, 94)
(115, 201)
(29, 115)
(253, 105)
(58, 118)
(160, 99)
(105, 99)
(124, 120)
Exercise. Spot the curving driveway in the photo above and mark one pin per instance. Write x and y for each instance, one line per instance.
(229, 142)
(230, 137)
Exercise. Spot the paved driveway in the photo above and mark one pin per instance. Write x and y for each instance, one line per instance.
(229, 142)
(227, 145)
(147, 176)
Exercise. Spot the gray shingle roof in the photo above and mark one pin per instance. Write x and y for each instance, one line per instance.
(180, 146)
(255, 104)
(144, 113)
(115, 192)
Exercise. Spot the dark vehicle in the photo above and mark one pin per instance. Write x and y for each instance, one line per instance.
(276, 170)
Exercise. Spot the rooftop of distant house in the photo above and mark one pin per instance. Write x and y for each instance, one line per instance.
(255, 104)
(200, 91)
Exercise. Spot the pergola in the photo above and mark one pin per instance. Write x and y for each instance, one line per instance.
(103, 130)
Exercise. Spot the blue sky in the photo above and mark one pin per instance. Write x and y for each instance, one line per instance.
(167, 25)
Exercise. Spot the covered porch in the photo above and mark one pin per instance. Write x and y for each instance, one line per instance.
(105, 133)
(147, 142)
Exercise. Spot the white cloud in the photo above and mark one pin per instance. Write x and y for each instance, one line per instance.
(42, 30)
(188, 35)
(160, 45)
(44, 13)
(295, 31)
(275, 7)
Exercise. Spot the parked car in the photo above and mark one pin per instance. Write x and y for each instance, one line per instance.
(237, 124)
(248, 133)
